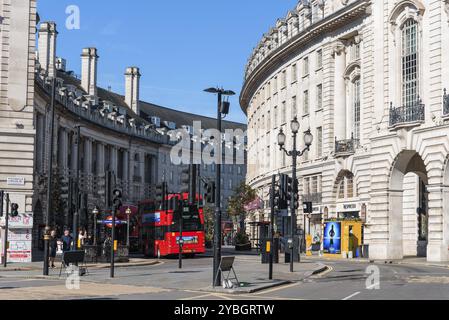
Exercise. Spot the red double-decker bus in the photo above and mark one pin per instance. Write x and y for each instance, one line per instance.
(160, 229)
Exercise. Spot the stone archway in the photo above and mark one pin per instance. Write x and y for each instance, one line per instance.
(407, 226)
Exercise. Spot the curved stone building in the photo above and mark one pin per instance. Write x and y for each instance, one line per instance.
(369, 79)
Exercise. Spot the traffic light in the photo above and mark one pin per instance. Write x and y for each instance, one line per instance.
(117, 198)
(185, 180)
(14, 209)
(210, 192)
(277, 199)
(308, 207)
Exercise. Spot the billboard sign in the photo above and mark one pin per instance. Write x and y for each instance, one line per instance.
(332, 238)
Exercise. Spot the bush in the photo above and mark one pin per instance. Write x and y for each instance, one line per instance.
(241, 238)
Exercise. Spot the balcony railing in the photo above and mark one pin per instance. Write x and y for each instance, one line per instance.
(414, 112)
(446, 103)
(315, 198)
(346, 147)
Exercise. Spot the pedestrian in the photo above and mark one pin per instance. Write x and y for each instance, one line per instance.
(53, 248)
(82, 237)
(66, 241)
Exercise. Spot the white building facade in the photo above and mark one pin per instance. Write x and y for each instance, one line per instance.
(368, 79)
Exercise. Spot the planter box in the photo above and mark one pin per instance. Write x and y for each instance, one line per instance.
(243, 247)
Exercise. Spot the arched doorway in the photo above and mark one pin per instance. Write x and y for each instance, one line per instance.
(408, 207)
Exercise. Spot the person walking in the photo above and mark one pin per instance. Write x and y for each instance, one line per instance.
(53, 248)
(67, 241)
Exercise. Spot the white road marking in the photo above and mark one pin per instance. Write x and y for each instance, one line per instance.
(352, 295)
(197, 297)
(277, 289)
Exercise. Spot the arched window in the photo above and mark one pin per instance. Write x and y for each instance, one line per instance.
(410, 79)
(345, 186)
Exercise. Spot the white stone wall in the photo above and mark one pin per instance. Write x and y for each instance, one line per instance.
(17, 134)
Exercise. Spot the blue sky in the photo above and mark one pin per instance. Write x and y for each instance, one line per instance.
(182, 47)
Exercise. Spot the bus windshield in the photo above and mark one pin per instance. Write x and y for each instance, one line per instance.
(190, 222)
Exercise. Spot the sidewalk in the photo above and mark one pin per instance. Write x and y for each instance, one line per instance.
(34, 266)
(417, 261)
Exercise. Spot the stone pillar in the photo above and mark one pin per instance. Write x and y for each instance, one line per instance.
(438, 237)
(100, 158)
(89, 60)
(114, 160)
(340, 92)
(126, 178)
(132, 83)
(88, 155)
(47, 47)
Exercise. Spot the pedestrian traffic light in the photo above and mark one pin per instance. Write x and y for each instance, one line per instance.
(185, 180)
(117, 198)
(308, 207)
(14, 209)
(210, 192)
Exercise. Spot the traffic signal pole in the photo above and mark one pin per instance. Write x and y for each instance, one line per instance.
(114, 210)
(5, 243)
(217, 229)
(272, 192)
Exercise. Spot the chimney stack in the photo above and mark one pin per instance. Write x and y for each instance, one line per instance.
(89, 59)
(132, 83)
(47, 47)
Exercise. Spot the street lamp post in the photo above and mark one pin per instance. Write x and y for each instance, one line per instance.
(128, 214)
(295, 153)
(217, 229)
(95, 212)
(49, 177)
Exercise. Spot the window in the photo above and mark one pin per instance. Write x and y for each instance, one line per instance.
(306, 66)
(357, 109)
(410, 63)
(319, 59)
(306, 185)
(356, 51)
(345, 186)
(294, 108)
(319, 142)
(284, 79)
(319, 96)
(283, 112)
(306, 102)
(268, 120)
(275, 85)
(275, 117)
(294, 73)
(315, 184)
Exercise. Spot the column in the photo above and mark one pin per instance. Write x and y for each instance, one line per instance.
(88, 156)
(126, 179)
(114, 159)
(340, 91)
(100, 158)
(64, 149)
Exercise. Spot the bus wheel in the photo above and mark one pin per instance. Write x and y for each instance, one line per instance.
(158, 253)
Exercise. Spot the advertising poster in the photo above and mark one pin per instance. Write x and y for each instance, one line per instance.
(332, 238)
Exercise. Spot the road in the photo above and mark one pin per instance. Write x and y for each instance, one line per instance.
(343, 281)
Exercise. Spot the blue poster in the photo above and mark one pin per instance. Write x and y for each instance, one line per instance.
(332, 238)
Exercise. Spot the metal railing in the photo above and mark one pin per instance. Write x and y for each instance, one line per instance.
(313, 197)
(446, 103)
(348, 146)
(414, 112)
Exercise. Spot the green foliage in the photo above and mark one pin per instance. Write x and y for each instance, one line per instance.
(209, 223)
(241, 238)
(243, 195)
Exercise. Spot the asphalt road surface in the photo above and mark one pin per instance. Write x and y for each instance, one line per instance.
(343, 281)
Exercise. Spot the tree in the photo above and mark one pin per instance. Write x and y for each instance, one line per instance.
(209, 224)
(243, 195)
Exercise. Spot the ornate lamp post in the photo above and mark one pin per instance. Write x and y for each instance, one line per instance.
(295, 153)
(95, 212)
(128, 214)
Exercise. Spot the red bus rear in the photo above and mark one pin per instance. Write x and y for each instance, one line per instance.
(161, 230)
